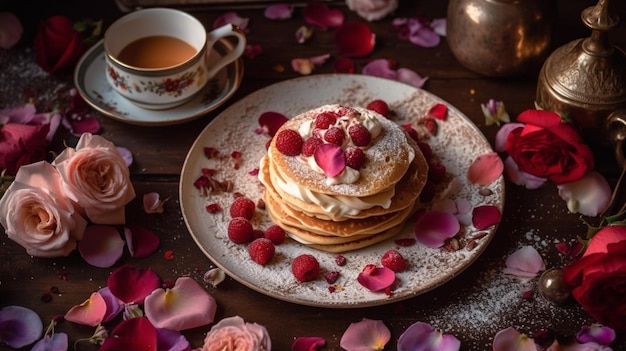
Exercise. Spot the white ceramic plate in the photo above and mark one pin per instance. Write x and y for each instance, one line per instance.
(90, 80)
(457, 143)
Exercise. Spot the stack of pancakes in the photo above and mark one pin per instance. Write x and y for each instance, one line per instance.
(335, 214)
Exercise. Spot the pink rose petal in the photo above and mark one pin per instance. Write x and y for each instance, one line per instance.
(271, 121)
(589, 195)
(91, 312)
(598, 333)
(187, 305)
(510, 339)
(515, 175)
(485, 216)
(367, 334)
(423, 337)
(231, 18)
(278, 11)
(485, 169)
(433, 228)
(503, 134)
(126, 155)
(410, 77)
(141, 242)
(131, 284)
(354, 39)
(380, 68)
(21, 326)
(319, 14)
(114, 305)
(376, 278)
(308, 343)
(330, 158)
(439, 26)
(101, 245)
(525, 263)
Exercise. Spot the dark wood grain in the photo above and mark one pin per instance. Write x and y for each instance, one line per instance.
(529, 217)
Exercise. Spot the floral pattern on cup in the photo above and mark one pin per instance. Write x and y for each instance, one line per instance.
(173, 87)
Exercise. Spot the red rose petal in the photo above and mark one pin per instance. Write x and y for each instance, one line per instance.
(310, 343)
(485, 216)
(272, 121)
(439, 111)
(344, 65)
(131, 284)
(354, 39)
(320, 15)
(376, 278)
(101, 245)
(141, 242)
(330, 158)
(132, 334)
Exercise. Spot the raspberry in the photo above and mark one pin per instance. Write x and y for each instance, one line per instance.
(242, 207)
(261, 250)
(340, 260)
(276, 234)
(305, 267)
(240, 230)
(360, 135)
(335, 135)
(289, 142)
(331, 276)
(379, 106)
(393, 260)
(436, 171)
(309, 146)
(355, 157)
(325, 119)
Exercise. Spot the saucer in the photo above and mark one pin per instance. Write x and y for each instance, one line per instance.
(90, 80)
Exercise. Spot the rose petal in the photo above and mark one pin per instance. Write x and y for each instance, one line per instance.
(439, 26)
(503, 134)
(604, 237)
(589, 195)
(101, 246)
(424, 37)
(310, 343)
(423, 337)
(214, 276)
(510, 339)
(10, 30)
(320, 15)
(330, 158)
(187, 305)
(271, 121)
(131, 284)
(344, 65)
(136, 334)
(152, 203)
(525, 263)
(433, 228)
(485, 169)
(231, 18)
(598, 333)
(19, 326)
(515, 175)
(367, 334)
(376, 278)
(410, 77)
(252, 51)
(302, 65)
(485, 216)
(114, 305)
(91, 312)
(354, 39)
(56, 342)
(84, 124)
(141, 241)
(126, 155)
(303, 34)
(171, 340)
(439, 111)
(279, 11)
(380, 68)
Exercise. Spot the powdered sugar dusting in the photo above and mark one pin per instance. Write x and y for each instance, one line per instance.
(457, 144)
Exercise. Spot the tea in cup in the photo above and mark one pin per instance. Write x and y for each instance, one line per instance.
(158, 58)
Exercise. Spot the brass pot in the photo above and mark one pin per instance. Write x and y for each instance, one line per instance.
(500, 38)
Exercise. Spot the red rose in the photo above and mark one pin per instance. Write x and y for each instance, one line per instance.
(21, 144)
(57, 44)
(599, 277)
(549, 148)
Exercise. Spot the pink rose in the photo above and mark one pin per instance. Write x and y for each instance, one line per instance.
(21, 144)
(35, 213)
(372, 10)
(97, 179)
(233, 333)
(57, 44)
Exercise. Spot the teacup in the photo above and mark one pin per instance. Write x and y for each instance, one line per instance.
(158, 58)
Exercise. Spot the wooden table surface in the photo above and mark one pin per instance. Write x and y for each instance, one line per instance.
(473, 306)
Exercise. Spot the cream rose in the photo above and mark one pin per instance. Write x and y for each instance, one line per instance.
(97, 179)
(234, 334)
(372, 10)
(35, 213)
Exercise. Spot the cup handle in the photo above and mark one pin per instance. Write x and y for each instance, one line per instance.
(221, 32)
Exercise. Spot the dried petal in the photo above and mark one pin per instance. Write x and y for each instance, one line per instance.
(303, 33)
(485, 216)
(367, 334)
(485, 169)
(19, 326)
(187, 305)
(589, 195)
(330, 158)
(141, 242)
(214, 276)
(91, 312)
(152, 203)
(279, 11)
(101, 246)
(308, 343)
(510, 339)
(320, 15)
(354, 39)
(376, 278)
(525, 263)
(433, 228)
(423, 337)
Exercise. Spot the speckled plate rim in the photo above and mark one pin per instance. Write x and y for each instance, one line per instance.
(292, 97)
(91, 84)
